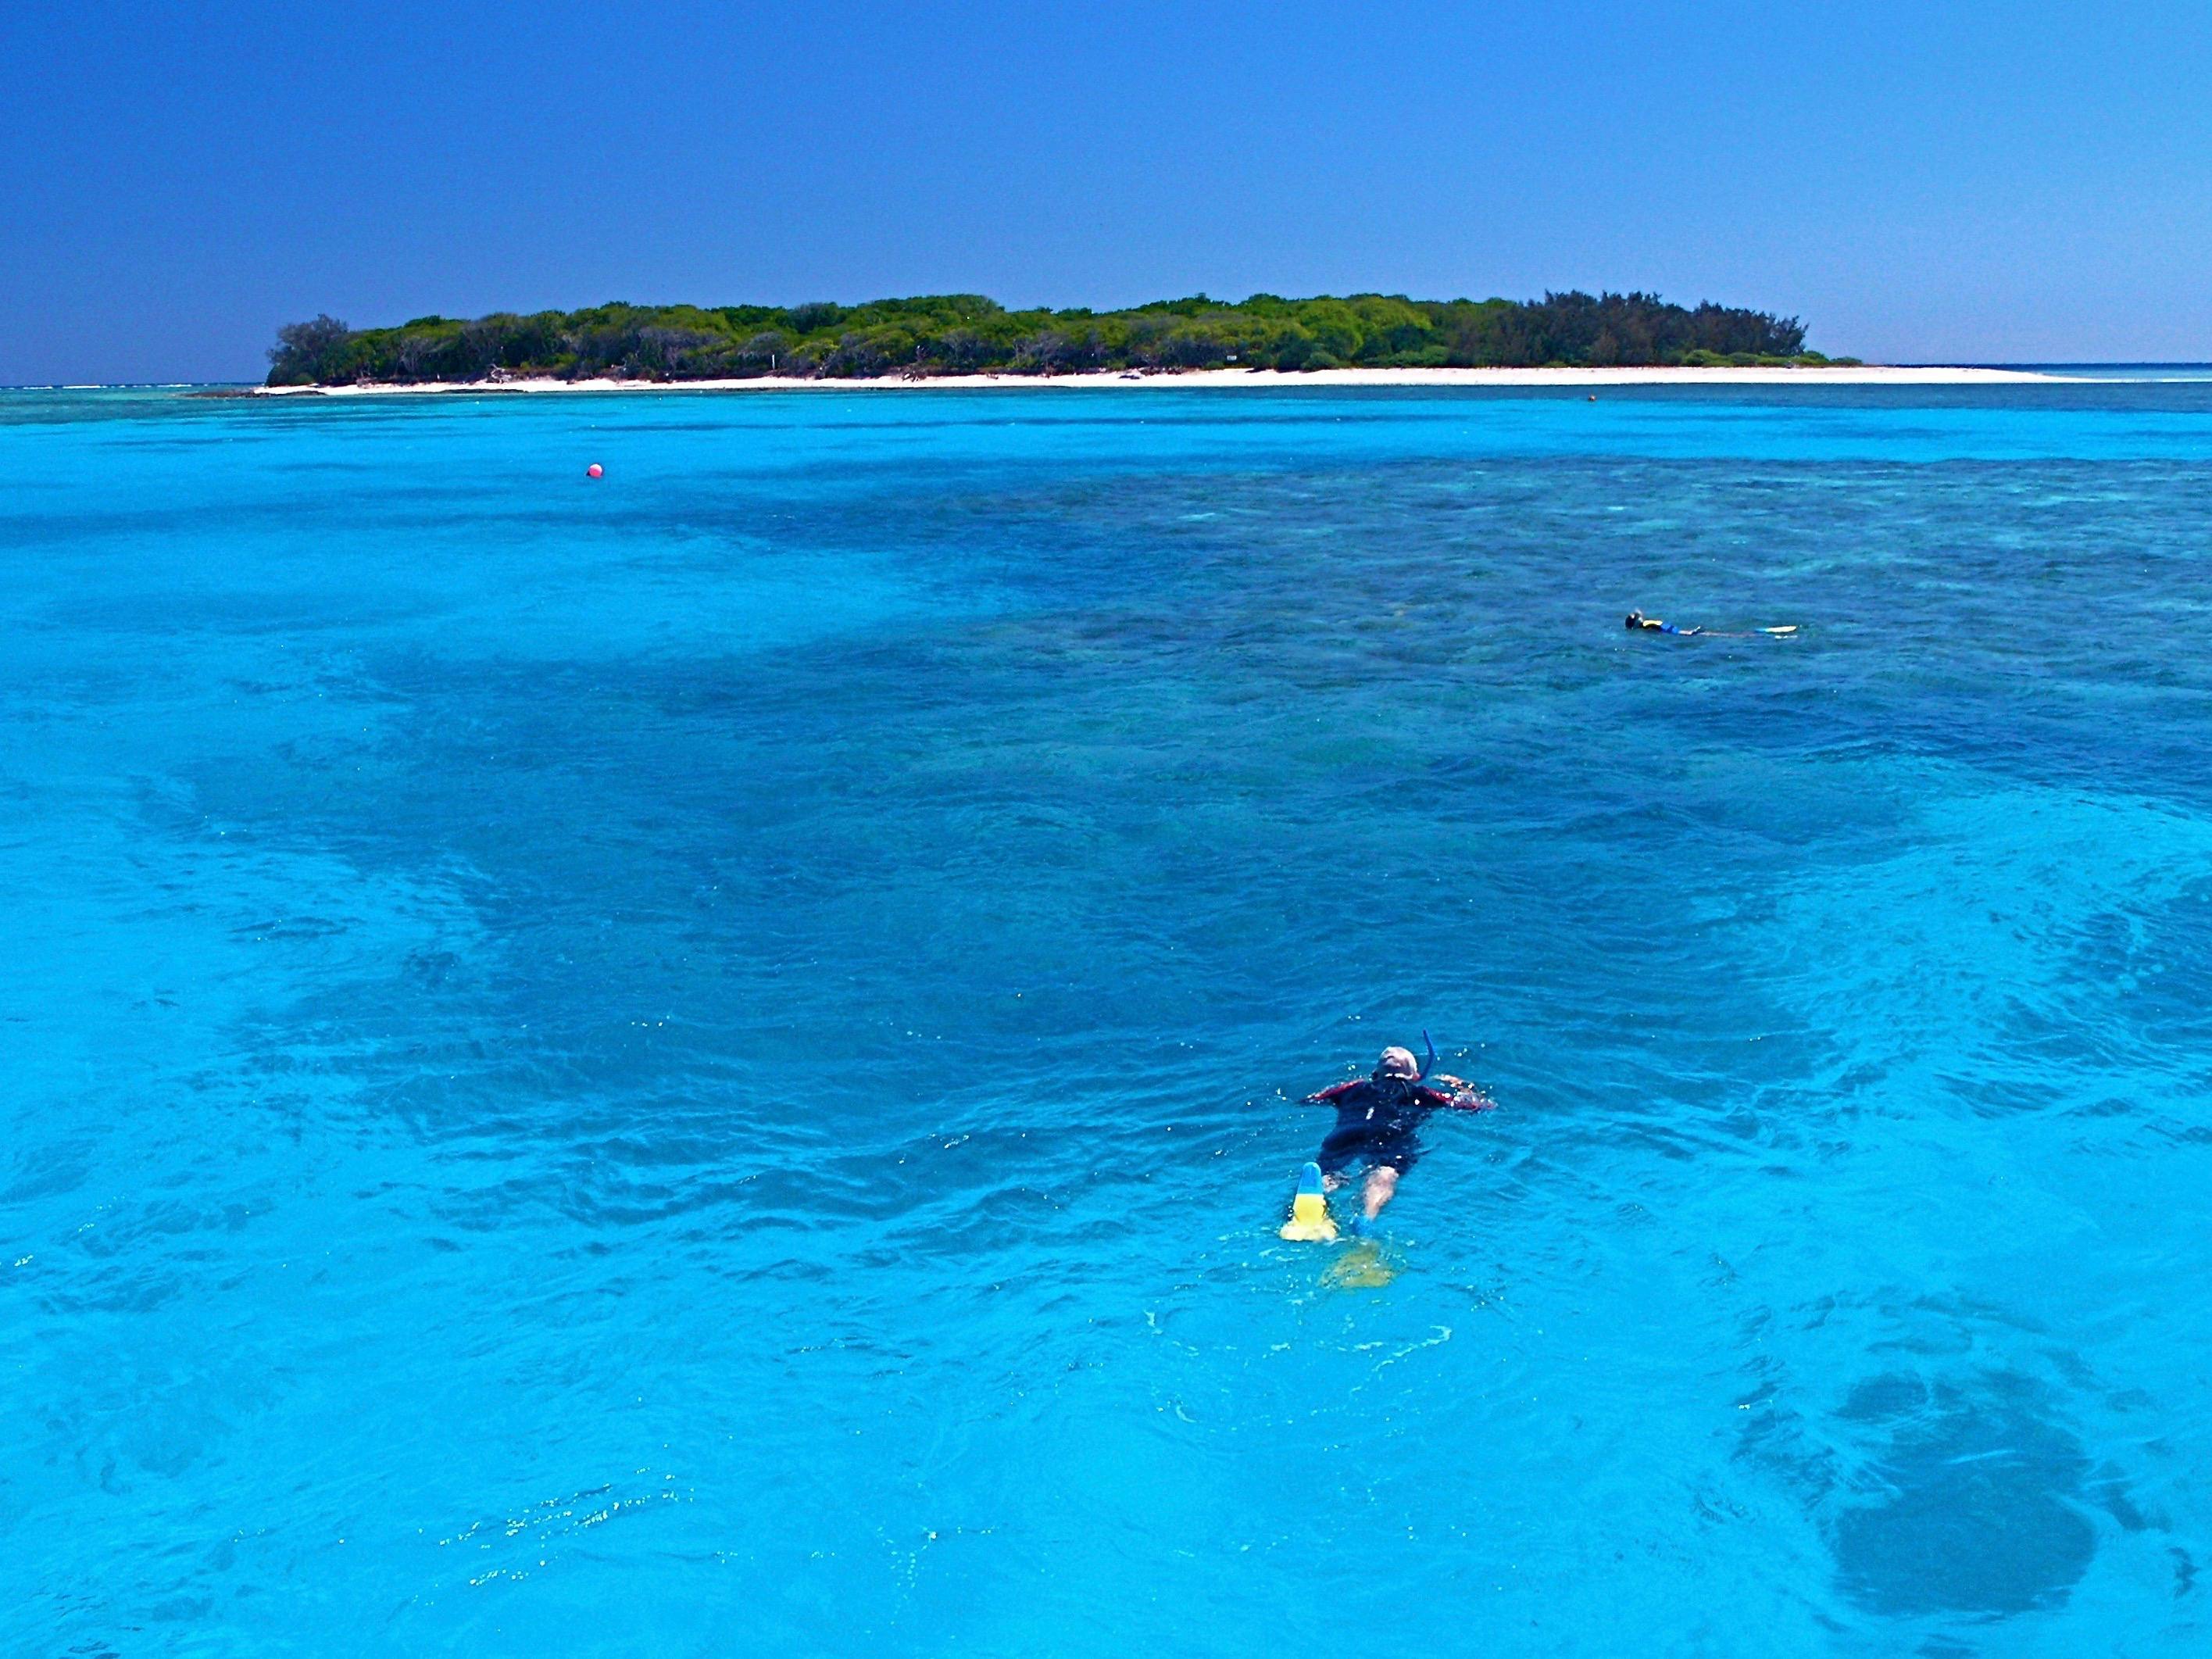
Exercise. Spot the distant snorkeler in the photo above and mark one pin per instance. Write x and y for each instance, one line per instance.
(1378, 1121)
(1639, 622)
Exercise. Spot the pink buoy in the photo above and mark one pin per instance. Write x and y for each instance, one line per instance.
(594, 470)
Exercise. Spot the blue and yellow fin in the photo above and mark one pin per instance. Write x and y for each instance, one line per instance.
(1310, 1221)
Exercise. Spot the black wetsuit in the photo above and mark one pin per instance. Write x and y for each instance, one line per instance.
(1378, 1122)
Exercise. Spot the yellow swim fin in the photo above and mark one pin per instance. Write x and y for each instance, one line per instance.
(1310, 1221)
(1362, 1266)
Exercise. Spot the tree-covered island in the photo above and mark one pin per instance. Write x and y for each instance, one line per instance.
(967, 334)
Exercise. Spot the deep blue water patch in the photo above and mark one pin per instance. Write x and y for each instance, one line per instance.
(1978, 1500)
(708, 1058)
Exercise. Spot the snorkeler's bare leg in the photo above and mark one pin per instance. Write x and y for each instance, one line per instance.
(1381, 1184)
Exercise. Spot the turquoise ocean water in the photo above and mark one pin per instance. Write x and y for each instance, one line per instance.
(706, 1062)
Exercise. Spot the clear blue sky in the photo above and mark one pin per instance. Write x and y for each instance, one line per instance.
(1919, 182)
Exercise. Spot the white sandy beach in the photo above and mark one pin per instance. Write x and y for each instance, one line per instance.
(1869, 374)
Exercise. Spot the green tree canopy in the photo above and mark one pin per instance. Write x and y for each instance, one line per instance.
(968, 333)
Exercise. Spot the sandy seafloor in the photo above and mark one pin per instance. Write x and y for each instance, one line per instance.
(707, 1061)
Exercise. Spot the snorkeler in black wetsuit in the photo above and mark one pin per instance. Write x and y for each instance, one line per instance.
(1378, 1120)
(1640, 623)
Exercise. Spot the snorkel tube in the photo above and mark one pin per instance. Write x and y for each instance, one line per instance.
(1428, 1065)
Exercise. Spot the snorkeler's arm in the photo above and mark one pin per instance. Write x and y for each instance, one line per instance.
(1462, 1095)
(1324, 1096)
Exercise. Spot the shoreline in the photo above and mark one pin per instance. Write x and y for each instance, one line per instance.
(1866, 375)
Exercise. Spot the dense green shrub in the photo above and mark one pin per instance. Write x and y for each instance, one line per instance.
(967, 333)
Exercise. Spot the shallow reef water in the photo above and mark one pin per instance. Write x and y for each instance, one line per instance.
(708, 1060)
